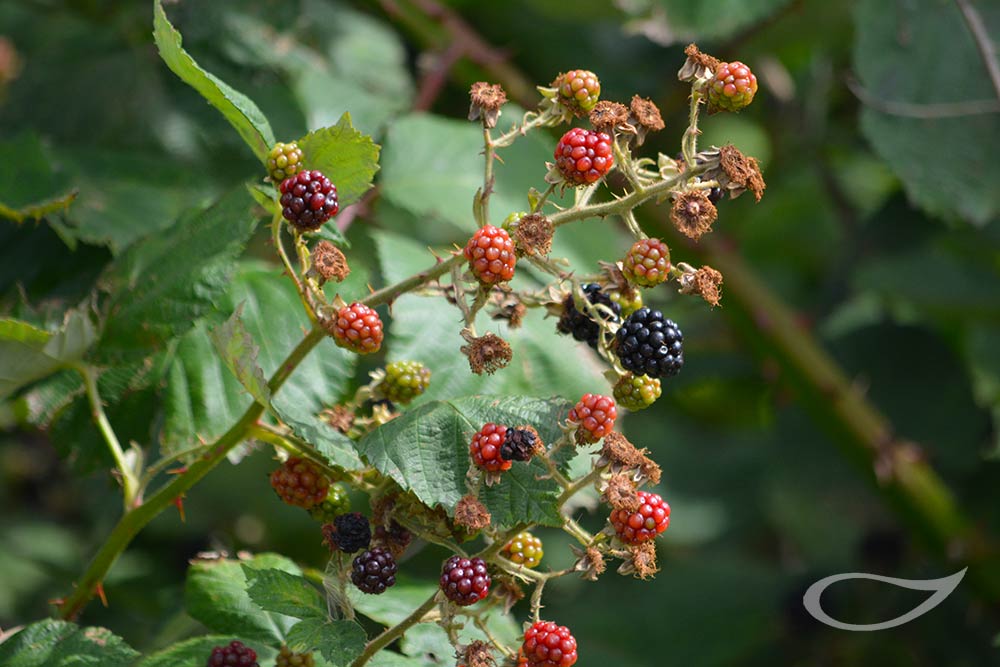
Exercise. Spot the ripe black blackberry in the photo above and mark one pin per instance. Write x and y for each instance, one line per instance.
(235, 654)
(374, 571)
(578, 324)
(348, 533)
(465, 581)
(519, 444)
(649, 344)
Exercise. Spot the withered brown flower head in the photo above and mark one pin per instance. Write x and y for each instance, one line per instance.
(620, 493)
(608, 115)
(646, 114)
(512, 311)
(693, 213)
(641, 562)
(741, 172)
(471, 513)
(622, 455)
(533, 235)
(698, 65)
(330, 262)
(705, 283)
(340, 417)
(476, 654)
(487, 354)
(486, 102)
(590, 563)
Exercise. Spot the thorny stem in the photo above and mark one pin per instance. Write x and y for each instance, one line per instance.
(390, 634)
(537, 206)
(689, 143)
(483, 210)
(130, 484)
(277, 222)
(578, 484)
(485, 629)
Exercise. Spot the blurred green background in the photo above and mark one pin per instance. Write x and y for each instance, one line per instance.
(879, 231)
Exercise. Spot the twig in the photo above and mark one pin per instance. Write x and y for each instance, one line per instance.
(391, 634)
(922, 111)
(983, 41)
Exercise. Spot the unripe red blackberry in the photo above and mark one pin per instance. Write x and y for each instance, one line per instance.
(465, 581)
(647, 263)
(651, 519)
(579, 90)
(374, 571)
(491, 255)
(524, 549)
(288, 658)
(284, 160)
(596, 416)
(549, 645)
(308, 199)
(583, 156)
(300, 482)
(485, 448)
(636, 392)
(356, 327)
(579, 324)
(348, 533)
(337, 502)
(404, 381)
(519, 444)
(235, 654)
(731, 88)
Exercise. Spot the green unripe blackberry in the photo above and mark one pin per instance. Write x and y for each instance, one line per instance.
(579, 90)
(337, 502)
(284, 160)
(525, 549)
(636, 392)
(627, 305)
(287, 658)
(404, 381)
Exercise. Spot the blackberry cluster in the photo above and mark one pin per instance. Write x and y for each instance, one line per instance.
(404, 381)
(465, 581)
(524, 549)
(596, 416)
(519, 444)
(584, 157)
(636, 392)
(651, 519)
(300, 482)
(649, 344)
(578, 324)
(374, 571)
(348, 533)
(308, 199)
(485, 448)
(236, 654)
(284, 160)
(549, 645)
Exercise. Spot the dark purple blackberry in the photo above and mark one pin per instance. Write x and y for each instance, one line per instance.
(715, 195)
(374, 571)
(308, 199)
(348, 533)
(578, 324)
(650, 345)
(235, 655)
(519, 444)
(465, 581)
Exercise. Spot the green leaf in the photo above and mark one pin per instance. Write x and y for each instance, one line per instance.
(239, 110)
(192, 652)
(682, 20)
(159, 287)
(52, 643)
(433, 166)
(426, 450)
(216, 594)
(203, 399)
(239, 353)
(28, 353)
(340, 642)
(947, 163)
(335, 447)
(346, 156)
(284, 593)
(30, 188)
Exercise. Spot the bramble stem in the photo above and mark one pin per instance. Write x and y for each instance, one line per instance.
(130, 485)
(577, 485)
(689, 143)
(277, 222)
(483, 210)
(391, 634)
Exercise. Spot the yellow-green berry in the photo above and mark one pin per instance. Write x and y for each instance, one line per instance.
(283, 161)
(525, 549)
(404, 381)
(731, 88)
(627, 304)
(337, 502)
(636, 392)
(286, 658)
(579, 90)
